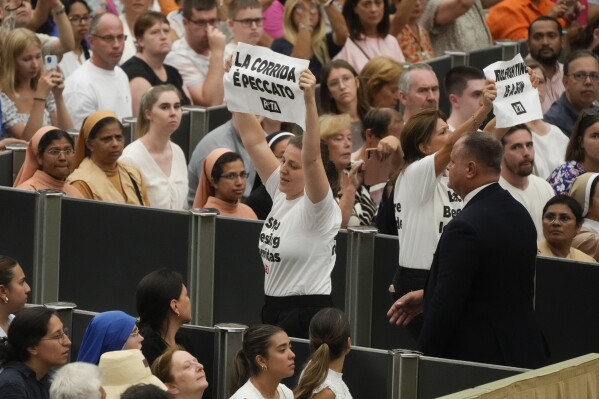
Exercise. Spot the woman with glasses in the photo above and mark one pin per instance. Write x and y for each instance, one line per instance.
(109, 331)
(79, 14)
(14, 291)
(160, 161)
(48, 162)
(147, 68)
(304, 32)
(562, 219)
(31, 96)
(222, 184)
(582, 153)
(368, 22)
(341, 92)
(98, 173)
(36, 343)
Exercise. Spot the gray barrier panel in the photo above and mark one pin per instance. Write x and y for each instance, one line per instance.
(106, 249)
(239, 273)
(384, 335)
(438, 377)
(6, 179)
(17, 235)
(442, 65)
(217, 116)
(484, 57)
(566, 306)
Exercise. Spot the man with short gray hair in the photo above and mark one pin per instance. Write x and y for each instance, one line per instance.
(76, 381)
(418, 89)
(100, 84)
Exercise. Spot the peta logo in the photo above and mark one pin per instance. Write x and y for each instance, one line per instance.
(270, 105)
(518, 108)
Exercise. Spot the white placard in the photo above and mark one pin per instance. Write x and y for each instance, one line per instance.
(517, 101)
(262, 82)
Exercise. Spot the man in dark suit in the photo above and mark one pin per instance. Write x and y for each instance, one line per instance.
(478, 301)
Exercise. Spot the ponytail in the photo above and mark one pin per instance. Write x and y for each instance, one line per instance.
(241, 371)
(315, 372)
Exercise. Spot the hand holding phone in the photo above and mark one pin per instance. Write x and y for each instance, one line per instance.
(50, 62)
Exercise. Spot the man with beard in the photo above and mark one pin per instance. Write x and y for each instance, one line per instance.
(545, 45)
(581, 81)
(418, 89)
(198, 56)
(517, 178)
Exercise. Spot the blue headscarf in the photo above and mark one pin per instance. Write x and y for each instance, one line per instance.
(108, 331)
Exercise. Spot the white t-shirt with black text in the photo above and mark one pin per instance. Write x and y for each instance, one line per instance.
(297, 243)
(423, 207)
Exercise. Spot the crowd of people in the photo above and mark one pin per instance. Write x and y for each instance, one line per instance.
(446, 185)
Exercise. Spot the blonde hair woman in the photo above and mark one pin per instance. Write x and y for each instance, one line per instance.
(31, 97)
(357, 208)
(380, 79)
(160, 161)
(304, 32)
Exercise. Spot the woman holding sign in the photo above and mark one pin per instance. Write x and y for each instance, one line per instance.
(423, 202)
(297, 242)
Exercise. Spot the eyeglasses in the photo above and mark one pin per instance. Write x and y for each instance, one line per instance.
(582, 76)
(13, 5)
(134, 333)
(80, 19)
(234, 176)
(57, 151)
(59, 336)
(345, 79)
(248, 22)
(202, 23)
(111, 38)
(551, 218)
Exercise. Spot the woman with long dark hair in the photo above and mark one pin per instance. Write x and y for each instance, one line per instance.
(14, 291)
(163, 306)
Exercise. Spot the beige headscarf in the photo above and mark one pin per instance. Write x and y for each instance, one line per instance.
(31, 165)
(87, 126)
(204, 187)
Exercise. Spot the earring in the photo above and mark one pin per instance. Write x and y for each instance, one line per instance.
(177, 312)
(263, 367)
(5, 299)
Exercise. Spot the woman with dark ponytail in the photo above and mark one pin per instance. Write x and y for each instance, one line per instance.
(264, 360)
(329, 343)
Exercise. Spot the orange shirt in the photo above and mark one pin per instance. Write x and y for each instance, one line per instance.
(509, 20)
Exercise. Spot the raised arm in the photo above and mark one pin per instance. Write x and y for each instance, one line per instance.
(450, 10)
(316, 182)
(337, 20)
(255, 143)
(66, 39)
(473, 123)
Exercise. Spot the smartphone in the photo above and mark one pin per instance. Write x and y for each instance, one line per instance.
(50, 62)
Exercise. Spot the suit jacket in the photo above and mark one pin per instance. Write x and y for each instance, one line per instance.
(478, 302)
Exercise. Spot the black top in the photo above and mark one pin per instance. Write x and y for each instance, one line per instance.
(135, 67)
(18, 381)
(153, 345)
(260, 202)
(282, 46)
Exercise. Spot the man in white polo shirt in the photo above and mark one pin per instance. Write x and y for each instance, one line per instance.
(100, 84)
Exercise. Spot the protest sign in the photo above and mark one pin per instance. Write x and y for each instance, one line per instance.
(266, 83)
(517, 101)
